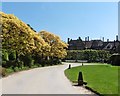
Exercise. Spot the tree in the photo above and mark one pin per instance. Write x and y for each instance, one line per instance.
(18, 36)
(24, 42)
(57, 46)
(40, 45)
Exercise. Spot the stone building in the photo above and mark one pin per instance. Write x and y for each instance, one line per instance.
(79, 44)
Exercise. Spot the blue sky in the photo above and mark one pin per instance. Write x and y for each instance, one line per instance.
(72, 20)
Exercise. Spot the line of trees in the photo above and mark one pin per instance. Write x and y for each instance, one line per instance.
(22, 46)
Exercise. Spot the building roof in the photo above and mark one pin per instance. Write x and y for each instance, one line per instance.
(88, 44)
(93, 44)
(76, 44)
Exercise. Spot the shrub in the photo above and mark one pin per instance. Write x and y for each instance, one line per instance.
(20, 64)
(27, 59)
(4, 63)
(2, 71)
(12, 55)
(56, 61)
(115, 59)
(5, 55)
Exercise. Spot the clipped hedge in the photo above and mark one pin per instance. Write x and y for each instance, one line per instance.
(90, 55)
(115, 59)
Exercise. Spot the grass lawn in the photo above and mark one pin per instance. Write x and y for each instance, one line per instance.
(101, 78)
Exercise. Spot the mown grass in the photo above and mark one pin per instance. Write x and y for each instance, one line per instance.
(101, 78)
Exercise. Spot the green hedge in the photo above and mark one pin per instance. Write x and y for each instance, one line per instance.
(12, 55)
(5, 55)
(115, 59)
(90, 55)
(11, 60)
(2, 71)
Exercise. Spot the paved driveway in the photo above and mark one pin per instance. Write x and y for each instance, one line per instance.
(45, 80)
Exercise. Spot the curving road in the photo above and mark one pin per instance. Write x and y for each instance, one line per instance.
(45, 80)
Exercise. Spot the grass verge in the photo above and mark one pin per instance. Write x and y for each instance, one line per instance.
(101, 78)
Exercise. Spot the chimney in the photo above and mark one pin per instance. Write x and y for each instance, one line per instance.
(116, 37)
(103, 39)
(114, 43)
(85, 41)
(88, 38)
(79, 38)
(68, 40)
(107, 40)
(85, 38)
(119, 36)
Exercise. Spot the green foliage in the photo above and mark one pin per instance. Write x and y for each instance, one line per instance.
(5, 56)
(19, 40)
(57, 48)
(24, 48)
(90, 55)
(4, 63)
(56, 61)
(9, 71)
(18, 36)
(12, 55)
(2, 71)
(115, 60)
(28, 60)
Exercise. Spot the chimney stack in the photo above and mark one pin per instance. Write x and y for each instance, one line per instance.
(119, 36)
(88, 38)
(116, 37)
(103, 39)
(85, 38)
(79, 38)
(114, 43)
(68, 40)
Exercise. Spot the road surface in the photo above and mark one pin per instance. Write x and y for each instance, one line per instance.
(45, 80)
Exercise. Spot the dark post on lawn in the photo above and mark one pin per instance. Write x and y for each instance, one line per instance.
(80, 79)
(82, 63)
(69, 66)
